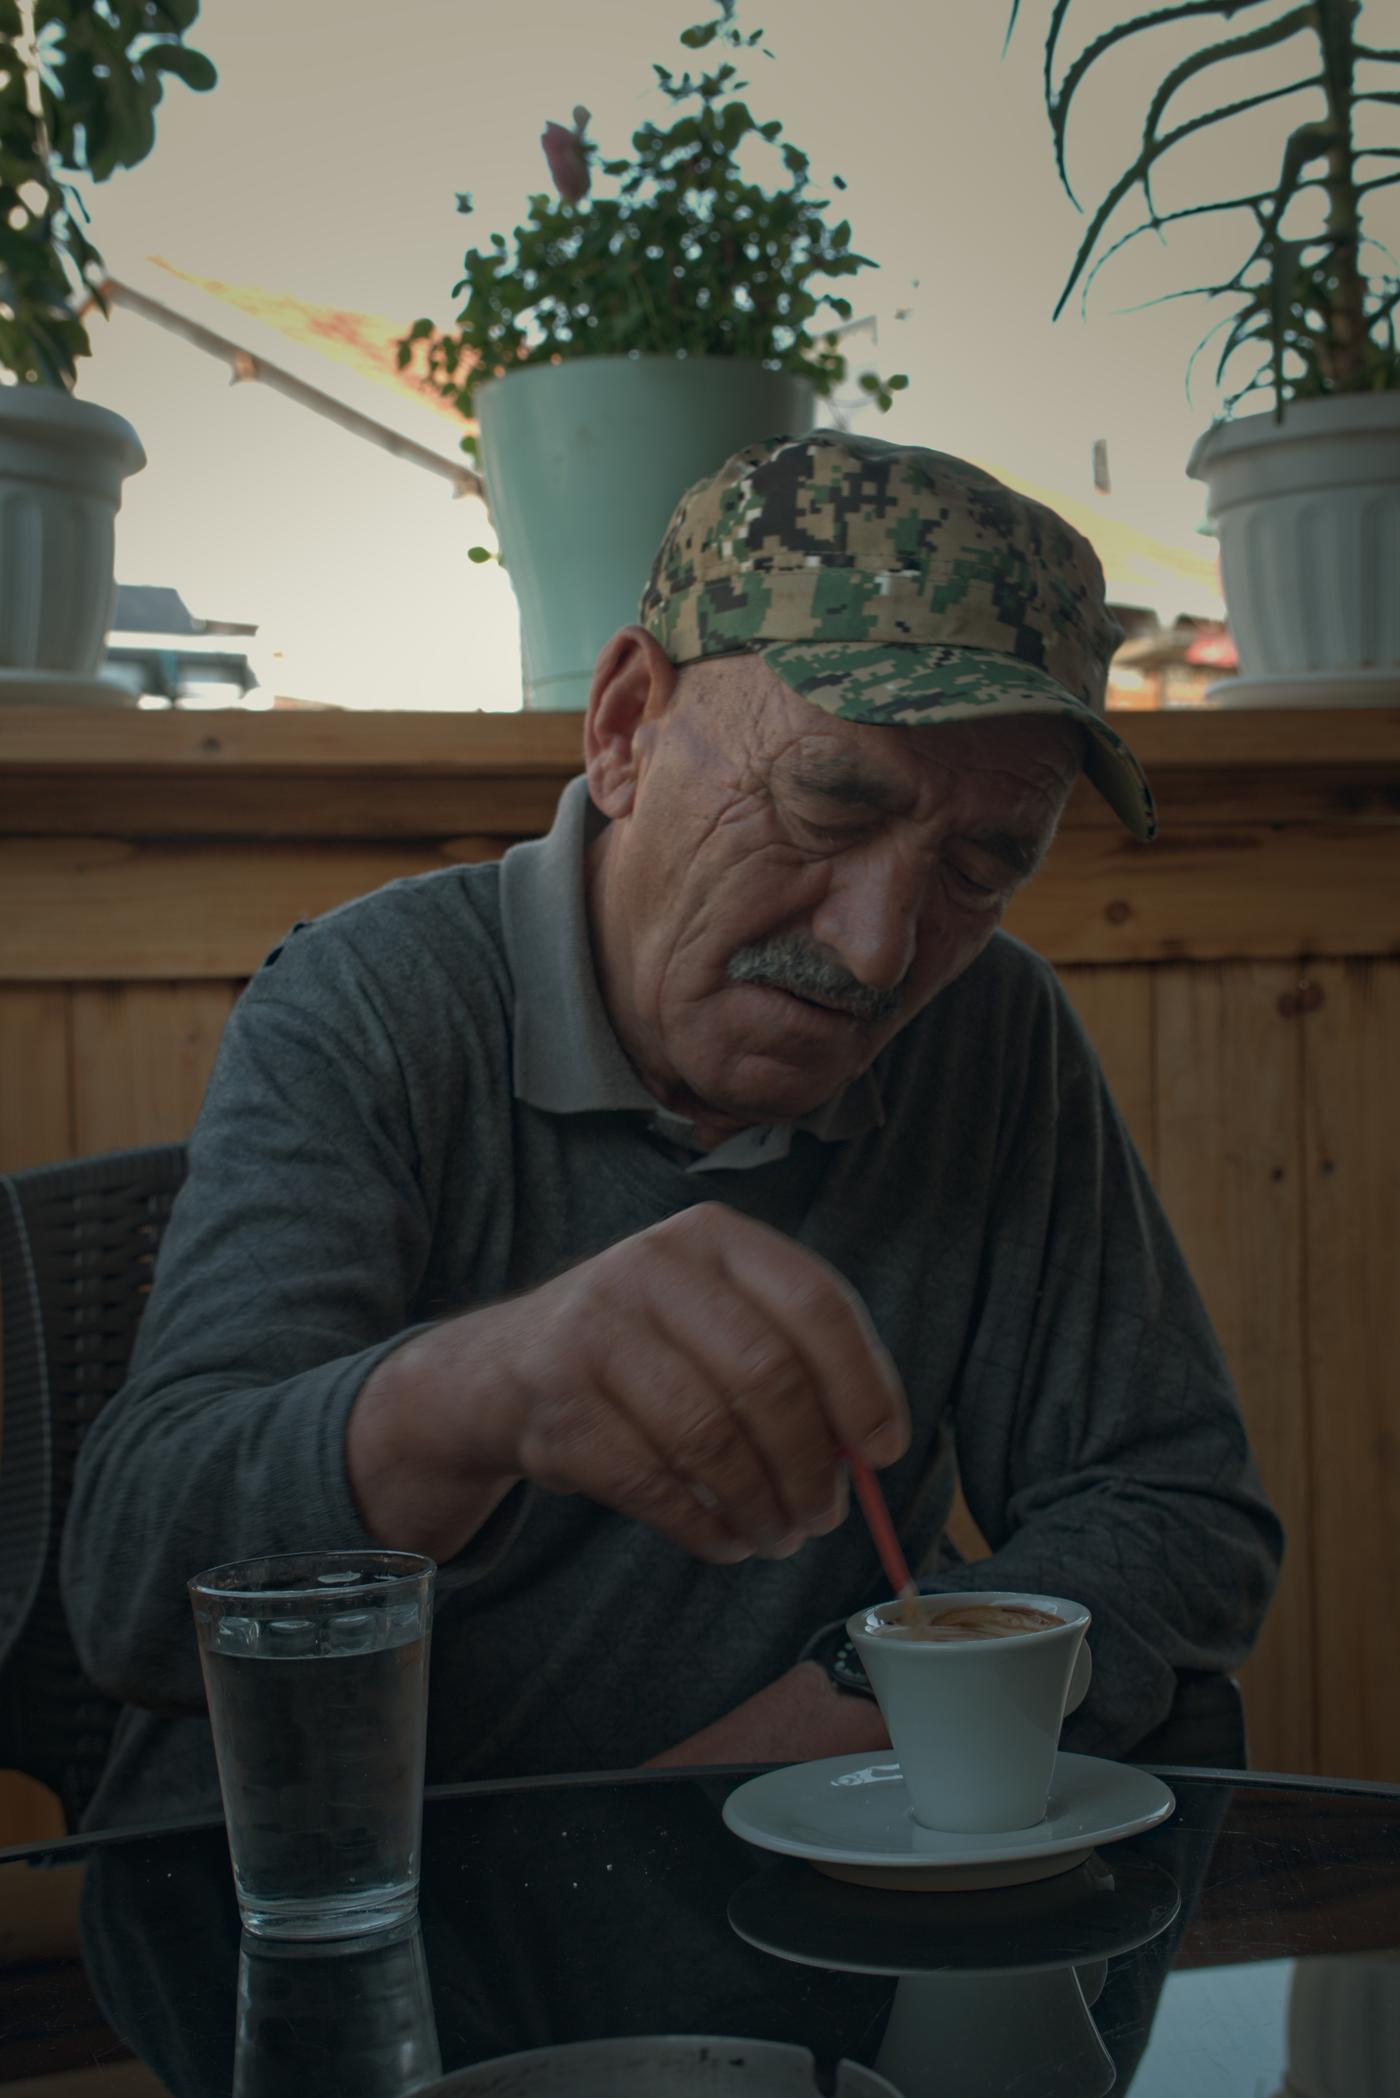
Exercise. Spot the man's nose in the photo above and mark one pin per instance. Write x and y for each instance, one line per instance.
(870, 925)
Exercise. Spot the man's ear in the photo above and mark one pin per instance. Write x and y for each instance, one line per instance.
(632, 682)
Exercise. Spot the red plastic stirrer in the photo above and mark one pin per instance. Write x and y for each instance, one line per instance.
(877, 1515)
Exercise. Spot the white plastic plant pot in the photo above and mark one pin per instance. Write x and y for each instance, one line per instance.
(62, 465)
(1307, 511)
(584, 463)
(672, 2067)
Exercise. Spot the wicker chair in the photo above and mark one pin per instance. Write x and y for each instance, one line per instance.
(77, 1246)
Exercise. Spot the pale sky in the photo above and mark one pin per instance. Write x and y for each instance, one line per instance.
(326, 164)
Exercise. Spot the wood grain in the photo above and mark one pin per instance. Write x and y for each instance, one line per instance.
(142, 1054)
(1300, 739)
(29, 1813)
(121, 739)
(36, 1124)
(1256, 891)
(1228, 1110)
(79, 910)
(236, 773)
(1116, 1008)
(100, 910)
(332, 804)
(1353, 1348)
(36, 1117)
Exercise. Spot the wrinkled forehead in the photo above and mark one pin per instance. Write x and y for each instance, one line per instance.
(741, 700)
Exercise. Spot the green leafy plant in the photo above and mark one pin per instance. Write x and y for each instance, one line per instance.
(1307, 315)
(80, 81)
(683, 256)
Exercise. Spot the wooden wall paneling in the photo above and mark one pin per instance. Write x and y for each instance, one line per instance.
(1350, 1027)
(64, 804)
(98, 909)
(393, 741)
(29, 1812)
(1222, 743)
(102, 909)
(1115, 1006)
(1228, 1061)
(142, 1054)
(1209, 894)
(35, 1125)
(36, 1120)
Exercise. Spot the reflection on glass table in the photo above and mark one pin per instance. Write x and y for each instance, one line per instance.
(615, 1912)
(991, 1994)
(351, 2019)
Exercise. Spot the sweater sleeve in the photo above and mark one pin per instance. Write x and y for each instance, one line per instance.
(1099, 1443)
(289, 1269)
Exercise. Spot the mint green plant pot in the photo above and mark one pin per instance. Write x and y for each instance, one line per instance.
(584, 462)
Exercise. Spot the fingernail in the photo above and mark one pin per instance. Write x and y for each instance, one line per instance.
(884, 1446)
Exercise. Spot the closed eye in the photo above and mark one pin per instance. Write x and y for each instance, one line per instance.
(832, 835)
(985, 892)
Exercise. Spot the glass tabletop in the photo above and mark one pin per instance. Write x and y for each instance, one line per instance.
(1248, 1947)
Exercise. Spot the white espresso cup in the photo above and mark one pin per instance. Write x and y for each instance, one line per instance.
(976, 1723)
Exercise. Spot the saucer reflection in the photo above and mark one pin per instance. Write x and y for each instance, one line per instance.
(993, 1990)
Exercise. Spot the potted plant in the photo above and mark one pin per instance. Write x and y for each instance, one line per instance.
(1305, 497)
(631, 337)
(79, 85)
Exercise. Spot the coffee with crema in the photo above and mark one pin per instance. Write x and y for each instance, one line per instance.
(977, 1621)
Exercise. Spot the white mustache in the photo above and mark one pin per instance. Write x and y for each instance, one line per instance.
(790, 963)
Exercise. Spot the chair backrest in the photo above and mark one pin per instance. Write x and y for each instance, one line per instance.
(77, 1249)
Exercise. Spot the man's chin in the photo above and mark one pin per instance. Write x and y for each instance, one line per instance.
(782, 1083)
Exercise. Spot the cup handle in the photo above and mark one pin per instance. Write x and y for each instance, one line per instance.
(1080, 1679)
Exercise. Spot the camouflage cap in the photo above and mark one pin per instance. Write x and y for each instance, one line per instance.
(888, 583)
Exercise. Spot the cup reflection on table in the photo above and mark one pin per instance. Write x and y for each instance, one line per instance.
(976, 1722)
(316, 1671)
(349, 2020)
(993, 1990)
(982, 2035)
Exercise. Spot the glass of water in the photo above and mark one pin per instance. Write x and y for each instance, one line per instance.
(316, 1671)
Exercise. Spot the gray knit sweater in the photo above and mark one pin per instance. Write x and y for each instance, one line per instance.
(373, 1154)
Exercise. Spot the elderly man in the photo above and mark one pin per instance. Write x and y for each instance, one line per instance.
(564, 1219)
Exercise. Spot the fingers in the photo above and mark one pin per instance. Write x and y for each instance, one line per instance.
(702, 1378)
(827, 1327)
(688, 1413)
(789, 1369)
(781, 1474)
(583, 1442)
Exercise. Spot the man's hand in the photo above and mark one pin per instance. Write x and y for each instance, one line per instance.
(796, 1720)
(698, 1377)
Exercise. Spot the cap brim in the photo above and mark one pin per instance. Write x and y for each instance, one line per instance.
(921, 684)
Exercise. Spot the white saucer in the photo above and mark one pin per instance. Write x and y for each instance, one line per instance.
(60, 688)
(1079, 1919)
(850, 1818)
(1310, 688)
